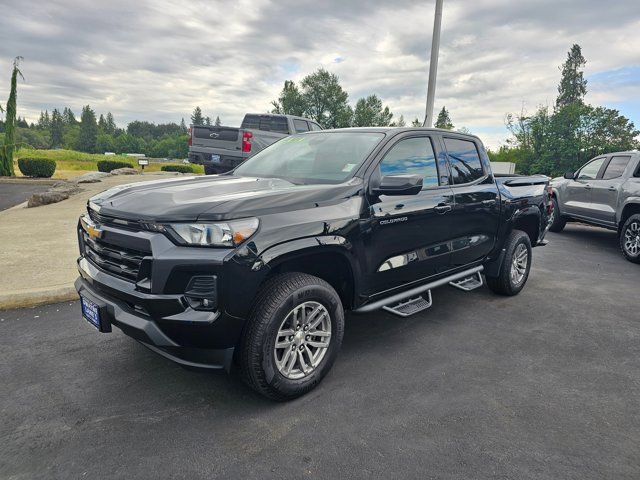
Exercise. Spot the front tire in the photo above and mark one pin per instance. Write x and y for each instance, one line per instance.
(292, 336)
(630, 238)
(515, 267)
(557, 222)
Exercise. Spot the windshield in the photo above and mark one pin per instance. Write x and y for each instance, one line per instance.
(323, 157)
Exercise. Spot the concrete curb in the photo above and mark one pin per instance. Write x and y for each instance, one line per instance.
(37, 296)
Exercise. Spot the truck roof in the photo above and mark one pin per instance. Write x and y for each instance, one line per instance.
(400, 129)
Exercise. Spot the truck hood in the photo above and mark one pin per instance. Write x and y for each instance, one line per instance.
(213, 198)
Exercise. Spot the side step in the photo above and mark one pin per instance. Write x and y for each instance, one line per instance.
(410, 306)
(394, 300)
(468, 283)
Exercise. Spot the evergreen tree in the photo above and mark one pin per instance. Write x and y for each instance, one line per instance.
(68, 117)
(9, 144)
(218, 122)
(44, 122)
(207, 121)
(444, 120)
(110, 124)
(398, 123)
(88, 130)
(416, 122)
(56, 129)
(102, 123)
(196, 117)
(183, 126)
(573, 86)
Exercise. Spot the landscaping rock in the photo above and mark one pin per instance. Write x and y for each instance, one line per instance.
(66, 187)
(91, 177)
(51, 196)
(125, 171)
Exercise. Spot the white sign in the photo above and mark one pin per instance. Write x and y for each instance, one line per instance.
(143, 161)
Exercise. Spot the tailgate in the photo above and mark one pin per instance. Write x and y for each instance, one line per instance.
(228, 138)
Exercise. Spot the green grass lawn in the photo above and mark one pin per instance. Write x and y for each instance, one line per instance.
(71, 163)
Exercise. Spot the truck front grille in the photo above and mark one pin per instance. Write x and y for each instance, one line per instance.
(119, 261)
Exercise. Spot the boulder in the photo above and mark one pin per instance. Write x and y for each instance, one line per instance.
(51, 196)
(124, 171)
(66, 187)
(91, 177)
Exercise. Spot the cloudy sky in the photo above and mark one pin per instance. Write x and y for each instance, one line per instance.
(156, 60)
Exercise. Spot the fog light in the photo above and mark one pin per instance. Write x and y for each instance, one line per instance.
(202, 293)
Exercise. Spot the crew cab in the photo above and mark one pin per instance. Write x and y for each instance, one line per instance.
(220, 149)
(604, 192)
(255, 268)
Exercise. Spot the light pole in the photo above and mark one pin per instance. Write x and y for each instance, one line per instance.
(433, 65)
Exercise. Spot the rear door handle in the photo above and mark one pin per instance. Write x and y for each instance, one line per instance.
(441, 209)
(613, 189)
(588, 187)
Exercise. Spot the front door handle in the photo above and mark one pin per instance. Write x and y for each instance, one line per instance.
(588, 187)
(442, 209)
(488, 202)
(613, 189)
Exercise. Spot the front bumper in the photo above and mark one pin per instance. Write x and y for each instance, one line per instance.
(163, 322)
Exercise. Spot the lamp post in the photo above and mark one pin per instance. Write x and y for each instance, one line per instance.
(433, 65)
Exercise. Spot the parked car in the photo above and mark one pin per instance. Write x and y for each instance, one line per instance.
(604, 192)
(255, 268)
(221, 149)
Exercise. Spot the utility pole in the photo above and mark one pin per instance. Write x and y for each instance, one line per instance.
(433, 65)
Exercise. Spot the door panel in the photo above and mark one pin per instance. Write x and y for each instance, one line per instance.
(605, 191)
(476, 215)
(578, 191)
(408, 234)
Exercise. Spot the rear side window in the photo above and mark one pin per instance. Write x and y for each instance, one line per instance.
(300, 125)
(464, 159)
(410, 157)
(268, 123)
(616, 167)
(314, 127)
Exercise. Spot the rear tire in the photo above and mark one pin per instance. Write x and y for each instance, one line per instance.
(283, 366)
(630, 238)
(515, 267)
(210, 170)
(558, 222)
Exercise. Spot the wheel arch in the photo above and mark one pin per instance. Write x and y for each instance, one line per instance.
(631, 207)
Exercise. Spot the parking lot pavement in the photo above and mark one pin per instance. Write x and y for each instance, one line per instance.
(545, 385)
(12, 194)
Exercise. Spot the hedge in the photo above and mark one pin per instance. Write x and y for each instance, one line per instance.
(108, 165)
(37, 167)
(178, 168)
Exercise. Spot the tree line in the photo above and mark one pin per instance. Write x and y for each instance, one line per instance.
(554, 140)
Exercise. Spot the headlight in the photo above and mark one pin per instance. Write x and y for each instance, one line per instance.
(224, 234)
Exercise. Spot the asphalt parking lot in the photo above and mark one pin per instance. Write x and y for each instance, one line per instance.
(545, 385)
(14, 193)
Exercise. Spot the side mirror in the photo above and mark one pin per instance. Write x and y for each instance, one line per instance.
(569, 175)
(399, 185)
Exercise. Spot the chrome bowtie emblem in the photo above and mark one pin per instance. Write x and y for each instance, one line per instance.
(214, 135)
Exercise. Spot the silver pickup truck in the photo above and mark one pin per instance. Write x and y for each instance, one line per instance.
(221, 149)
(604, 192)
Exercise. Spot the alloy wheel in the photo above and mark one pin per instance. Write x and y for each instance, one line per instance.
(519, 264)
(632, 239)
(302, 340)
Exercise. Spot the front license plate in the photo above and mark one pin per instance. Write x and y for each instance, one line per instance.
(215, 158)
(91, 312)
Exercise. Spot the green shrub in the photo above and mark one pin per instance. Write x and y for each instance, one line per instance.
(37, 167)
(108, 165)
(178, 168)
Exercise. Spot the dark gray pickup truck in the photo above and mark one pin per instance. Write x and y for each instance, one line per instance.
(221, 149)
(604, 192)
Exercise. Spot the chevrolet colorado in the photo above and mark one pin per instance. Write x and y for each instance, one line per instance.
(220, 149)
(604, 192)
(256, 267)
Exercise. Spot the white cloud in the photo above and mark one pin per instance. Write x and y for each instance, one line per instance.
(156, 60)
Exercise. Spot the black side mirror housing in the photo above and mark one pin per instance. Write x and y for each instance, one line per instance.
(569, 175)
(399, 185)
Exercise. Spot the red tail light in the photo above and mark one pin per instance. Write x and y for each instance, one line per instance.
(246, 141)
(190, 137)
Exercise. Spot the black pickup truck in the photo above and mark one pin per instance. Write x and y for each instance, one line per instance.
(255, 268)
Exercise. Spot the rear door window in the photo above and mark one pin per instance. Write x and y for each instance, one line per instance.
(412, 156)
(300, 125)
(464, 160)
(314, 127)
(616, 167)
